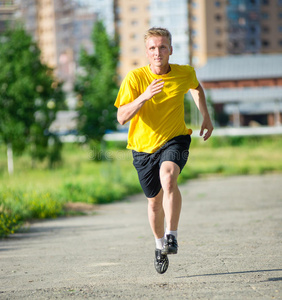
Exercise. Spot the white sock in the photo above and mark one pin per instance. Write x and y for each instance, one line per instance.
(159, 243)
(173, 232)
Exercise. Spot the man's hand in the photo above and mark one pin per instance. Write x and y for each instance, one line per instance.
(207, 124)
(128, 111)
(154, 88)
(200, 100)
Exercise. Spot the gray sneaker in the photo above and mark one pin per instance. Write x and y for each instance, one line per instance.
(161, 261)
(170, 245)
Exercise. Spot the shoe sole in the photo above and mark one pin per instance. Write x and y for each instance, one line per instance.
(169, 251)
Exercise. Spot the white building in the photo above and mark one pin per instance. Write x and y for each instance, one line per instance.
(104, 9)
(173, 15)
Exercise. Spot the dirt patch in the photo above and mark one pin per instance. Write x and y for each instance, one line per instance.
(80, 207)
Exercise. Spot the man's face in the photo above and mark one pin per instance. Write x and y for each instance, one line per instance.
(158, 50)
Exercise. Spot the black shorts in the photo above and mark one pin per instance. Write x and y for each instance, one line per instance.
(148, 164)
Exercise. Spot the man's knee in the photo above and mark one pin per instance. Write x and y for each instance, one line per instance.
(168, 174)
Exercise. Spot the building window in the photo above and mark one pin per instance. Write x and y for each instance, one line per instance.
(218, 31)
(176, 46)
(280, 43)
(265, 29)
(218, 17)
(217, 3)
(133, 36)
(242, 21)
(265, 16)
(235, 44)
(280, 28)
(253, 29)
(265, 2)
(134, 50)
(194, 32)
(265, 43)
(133, 8)
(219, 45)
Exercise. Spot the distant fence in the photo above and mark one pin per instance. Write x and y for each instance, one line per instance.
(232, 131)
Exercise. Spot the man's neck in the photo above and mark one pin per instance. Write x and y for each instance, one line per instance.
(160, 70)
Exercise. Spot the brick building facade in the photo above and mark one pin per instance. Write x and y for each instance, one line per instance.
(246, 88)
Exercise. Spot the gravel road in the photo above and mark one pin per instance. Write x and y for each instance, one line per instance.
(229, 248)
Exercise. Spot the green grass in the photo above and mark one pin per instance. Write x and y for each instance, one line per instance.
(39, 193)
(232, 156)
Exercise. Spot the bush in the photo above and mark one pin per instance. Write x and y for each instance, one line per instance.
(9, 223)
(17, 206)
(99, 193)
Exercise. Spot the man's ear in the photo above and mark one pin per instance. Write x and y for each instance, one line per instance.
(171, 50)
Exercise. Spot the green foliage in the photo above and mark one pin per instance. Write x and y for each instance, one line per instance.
(238, 141)
(17, 206)
(98, 193)
(97, 85)
(29, 94)
(9, 223)
(41, 193)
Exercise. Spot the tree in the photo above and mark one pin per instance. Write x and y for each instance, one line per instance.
(29, 96)
(96, 86)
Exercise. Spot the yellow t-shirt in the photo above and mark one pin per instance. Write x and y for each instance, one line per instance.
(162, 117)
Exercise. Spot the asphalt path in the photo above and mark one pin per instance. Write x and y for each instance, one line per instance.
(230, 237)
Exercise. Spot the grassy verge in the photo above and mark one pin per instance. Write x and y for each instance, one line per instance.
(38, 193)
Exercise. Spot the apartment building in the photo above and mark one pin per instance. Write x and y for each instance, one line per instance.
(200, 28)
(83, 26)
(220, 28)
(7, 10)
(271, 26)
(173, 15)
(103, 9)
(27, 13)
(50, 22)
(132, 20)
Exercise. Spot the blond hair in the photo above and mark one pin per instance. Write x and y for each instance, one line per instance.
(157, 31)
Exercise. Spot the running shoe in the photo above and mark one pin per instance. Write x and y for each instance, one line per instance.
(161, 261)
(170, 245)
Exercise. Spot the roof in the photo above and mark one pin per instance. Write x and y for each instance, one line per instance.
(254, 108)
(247, 94)
(238, 67)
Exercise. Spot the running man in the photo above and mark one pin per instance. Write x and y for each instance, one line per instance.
(152, 98)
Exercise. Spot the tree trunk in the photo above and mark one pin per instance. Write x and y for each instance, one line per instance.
(10, 159)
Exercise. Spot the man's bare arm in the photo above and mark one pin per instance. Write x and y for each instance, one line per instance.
(128, 111)
(200, 100)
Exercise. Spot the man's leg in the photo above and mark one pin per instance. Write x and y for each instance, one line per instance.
(172, 202)
(156, 220)
(156, 215)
